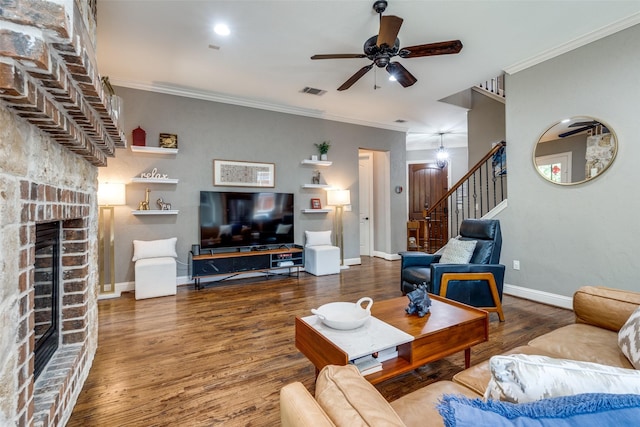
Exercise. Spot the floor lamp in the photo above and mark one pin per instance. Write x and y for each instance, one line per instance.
(109, 195)
(339, 199)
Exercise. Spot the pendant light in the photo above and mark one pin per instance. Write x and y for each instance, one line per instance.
(442, 155)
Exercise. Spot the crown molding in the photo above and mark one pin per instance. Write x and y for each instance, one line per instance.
(597, 34)
(245, 102)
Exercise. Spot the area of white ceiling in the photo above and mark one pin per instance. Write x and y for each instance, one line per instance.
(265, 62)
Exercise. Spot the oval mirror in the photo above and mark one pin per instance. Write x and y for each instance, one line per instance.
(575, 150)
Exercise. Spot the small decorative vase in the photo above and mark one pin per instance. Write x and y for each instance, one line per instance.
(323, 157)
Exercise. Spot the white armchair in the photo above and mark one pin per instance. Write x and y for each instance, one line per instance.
(321, 257)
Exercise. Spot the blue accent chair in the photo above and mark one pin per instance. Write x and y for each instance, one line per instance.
(478, 283)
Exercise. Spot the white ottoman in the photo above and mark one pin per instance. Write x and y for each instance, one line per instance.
(155, 277)
(322, 260)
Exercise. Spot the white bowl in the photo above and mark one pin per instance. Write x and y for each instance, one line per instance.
(344, 315)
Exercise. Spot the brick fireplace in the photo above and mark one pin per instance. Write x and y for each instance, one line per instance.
(56, 128)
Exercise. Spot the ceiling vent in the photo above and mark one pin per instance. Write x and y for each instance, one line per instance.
(313, 91)
(400, 121)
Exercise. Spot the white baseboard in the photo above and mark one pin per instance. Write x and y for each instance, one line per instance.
(539, 296)
(386, 256)
(353, 261)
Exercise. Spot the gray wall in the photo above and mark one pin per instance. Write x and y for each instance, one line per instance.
(485, 125)
(209, 130)
(569, 236)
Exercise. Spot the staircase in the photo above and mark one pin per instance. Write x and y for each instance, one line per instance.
(482, 189)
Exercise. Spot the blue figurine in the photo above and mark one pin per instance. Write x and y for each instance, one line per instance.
(419, 301)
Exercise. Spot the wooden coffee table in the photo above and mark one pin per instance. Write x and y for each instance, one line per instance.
(450, 327)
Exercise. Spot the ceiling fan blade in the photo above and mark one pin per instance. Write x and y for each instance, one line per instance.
(431, 49)
(339, 56)
(361, 72)
(389, 28)
(576, 124)
(404, 77)
(575, 131)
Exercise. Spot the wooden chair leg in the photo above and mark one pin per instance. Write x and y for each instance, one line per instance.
(493, 287)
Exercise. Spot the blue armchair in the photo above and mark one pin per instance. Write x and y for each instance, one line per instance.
(478, 283)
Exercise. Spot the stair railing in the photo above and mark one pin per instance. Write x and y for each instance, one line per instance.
(473, 196)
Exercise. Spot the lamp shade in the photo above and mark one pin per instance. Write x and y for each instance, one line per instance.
(111, 194)
(338, 197)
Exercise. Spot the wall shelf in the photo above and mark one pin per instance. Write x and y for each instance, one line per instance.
(317, 186)
(153, 150)
(154, 180)
(155, 212)
(317, 162)
(316, 211)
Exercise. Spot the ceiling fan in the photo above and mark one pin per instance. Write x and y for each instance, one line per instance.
(583, 126)
(385, 45)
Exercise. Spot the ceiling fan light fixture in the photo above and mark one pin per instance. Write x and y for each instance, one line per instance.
(222, 29)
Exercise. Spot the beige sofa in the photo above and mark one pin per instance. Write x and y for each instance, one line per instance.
(344, 398)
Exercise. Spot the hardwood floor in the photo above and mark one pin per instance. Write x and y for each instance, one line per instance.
(219, 356)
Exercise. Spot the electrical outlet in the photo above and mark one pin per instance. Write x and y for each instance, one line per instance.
(516, 264)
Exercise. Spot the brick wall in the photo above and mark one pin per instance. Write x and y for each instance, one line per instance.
(57, 125)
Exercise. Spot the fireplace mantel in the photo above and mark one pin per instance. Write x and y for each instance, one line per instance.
(49, 76)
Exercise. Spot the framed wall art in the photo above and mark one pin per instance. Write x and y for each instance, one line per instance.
(315, 204)
(243, 174)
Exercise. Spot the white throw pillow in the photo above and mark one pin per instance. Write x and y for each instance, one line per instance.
(629, 338)
(318, 238)
(154, 248)
(458, 251)
(521, 378)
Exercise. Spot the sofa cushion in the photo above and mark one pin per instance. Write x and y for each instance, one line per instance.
(604, 307)
(583, 342)
(458, 251)
(418, 408)
(521, 378)
(584, 410)
(298, 407)
(477, 377)
(629, 339)
(350, 400)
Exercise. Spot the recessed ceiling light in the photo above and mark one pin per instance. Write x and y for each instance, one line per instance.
(222, 29)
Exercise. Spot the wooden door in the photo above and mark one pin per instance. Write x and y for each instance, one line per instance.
(427, 184)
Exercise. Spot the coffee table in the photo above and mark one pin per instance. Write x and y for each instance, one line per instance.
(450, 327)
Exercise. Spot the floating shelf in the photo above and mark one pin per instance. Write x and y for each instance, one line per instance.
(325, 186)
(317, 162)
(155, 180)
(155, 212)
(153, 150)
(316, 211)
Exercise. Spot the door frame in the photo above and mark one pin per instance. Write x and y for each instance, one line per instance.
(363, 153)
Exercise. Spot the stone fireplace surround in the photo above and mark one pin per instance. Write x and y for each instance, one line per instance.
(56, 128)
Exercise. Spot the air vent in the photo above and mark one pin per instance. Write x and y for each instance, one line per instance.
(400, 121)
(313, 91)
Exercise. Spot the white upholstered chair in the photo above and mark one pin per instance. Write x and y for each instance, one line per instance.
(155, 269)
(320, 256)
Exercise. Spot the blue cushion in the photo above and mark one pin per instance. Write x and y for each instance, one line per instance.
(584, 410)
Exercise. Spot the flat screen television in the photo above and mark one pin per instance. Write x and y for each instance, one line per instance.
(230, 219)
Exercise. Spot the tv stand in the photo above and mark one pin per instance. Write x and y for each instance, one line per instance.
(231, 264)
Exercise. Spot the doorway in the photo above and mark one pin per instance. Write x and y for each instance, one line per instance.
(365, 176)
(427, 184)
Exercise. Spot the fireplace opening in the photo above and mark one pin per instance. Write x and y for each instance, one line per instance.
(47, 301)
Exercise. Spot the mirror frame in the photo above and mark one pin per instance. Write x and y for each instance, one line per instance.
(561, 125)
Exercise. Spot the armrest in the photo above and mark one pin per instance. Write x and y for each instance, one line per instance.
(437, 270)
(418, 259)
(298, 408)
